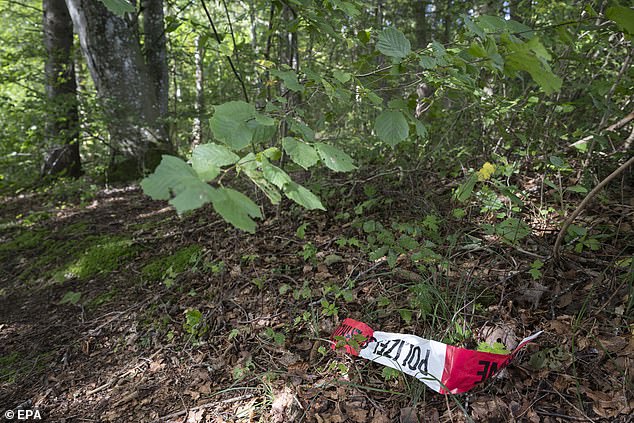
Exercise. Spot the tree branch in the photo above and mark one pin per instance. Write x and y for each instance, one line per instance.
(585, 202)
(233, 68)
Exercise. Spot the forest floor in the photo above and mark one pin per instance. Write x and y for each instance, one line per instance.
(114, 309)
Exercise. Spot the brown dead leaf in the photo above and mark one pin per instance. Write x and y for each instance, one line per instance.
(490, 410)
(532, 294)
(408, 415)
(284, 406)
(156, 365)
(357, 414)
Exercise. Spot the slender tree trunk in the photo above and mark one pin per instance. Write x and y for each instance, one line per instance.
(420, 20)
(62, 126)
(199, 105)
(124, 82)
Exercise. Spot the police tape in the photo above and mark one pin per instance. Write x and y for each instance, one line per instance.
(444, 368)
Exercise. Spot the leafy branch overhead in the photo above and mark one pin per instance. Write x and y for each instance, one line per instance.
(238, 125)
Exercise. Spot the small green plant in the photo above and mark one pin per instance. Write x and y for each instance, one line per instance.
(241, 370)
(309, 252)
(495, 348)
(328, 308)
(170, 266)
(277, 337)
(535, 270)
(233, 334)
(301, 231)
(389, 373)
(195, 324)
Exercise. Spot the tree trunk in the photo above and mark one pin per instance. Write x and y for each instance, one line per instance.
(199, 105)
(420, 21)
(125, 85)
(62, 124)
(156, 50)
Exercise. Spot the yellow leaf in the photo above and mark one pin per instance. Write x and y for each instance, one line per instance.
(485, 173)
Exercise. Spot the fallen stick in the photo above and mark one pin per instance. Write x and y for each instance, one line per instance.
(584, 203)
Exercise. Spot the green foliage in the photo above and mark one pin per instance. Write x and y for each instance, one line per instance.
(179, 261)
(623, 17)
(496, 348)
(194, 323)
(235, 123)
(391, 127)
(393, 43)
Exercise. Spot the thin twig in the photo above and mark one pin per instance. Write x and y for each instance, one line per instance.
(233, 68)
(585, 202)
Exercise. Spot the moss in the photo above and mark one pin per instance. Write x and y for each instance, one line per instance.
(9, 367)
(101, 299)
(25, 240)
(104, 255)
(178, 262)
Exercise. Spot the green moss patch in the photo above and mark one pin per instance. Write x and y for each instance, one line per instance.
(104, 255)
(178, 262)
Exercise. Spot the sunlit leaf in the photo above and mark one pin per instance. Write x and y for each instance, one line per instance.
(290, 79)
(393, 43)
(174, 177)
(236, 208)
(208, 158)
(230, 125)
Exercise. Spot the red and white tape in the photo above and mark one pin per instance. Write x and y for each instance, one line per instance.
(444, 368)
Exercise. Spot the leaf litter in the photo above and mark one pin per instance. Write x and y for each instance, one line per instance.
(257, 350)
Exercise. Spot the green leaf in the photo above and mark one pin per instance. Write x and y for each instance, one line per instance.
(391, 127)
(290, 79)
(291, 189)
(263, 133)
(334, 158)
(557, 162)
(249, 165)
(465, 190)
(175, 177)
(275, 175)
(236, 208)
(230, 123)
(300, 152)
(302, 196)
(208, 158)
(531, 57)
(623, 17)
(341, 76)
(119, 7)
(303, 129)
(578, 189)
(393, 43)
(512, 229)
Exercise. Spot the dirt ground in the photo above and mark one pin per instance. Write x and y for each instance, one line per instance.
(237, 328)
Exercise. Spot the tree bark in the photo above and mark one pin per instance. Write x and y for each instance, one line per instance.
(199, 105)
(156, 50)
(62, 124)
(124, 82)
(420, 21)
